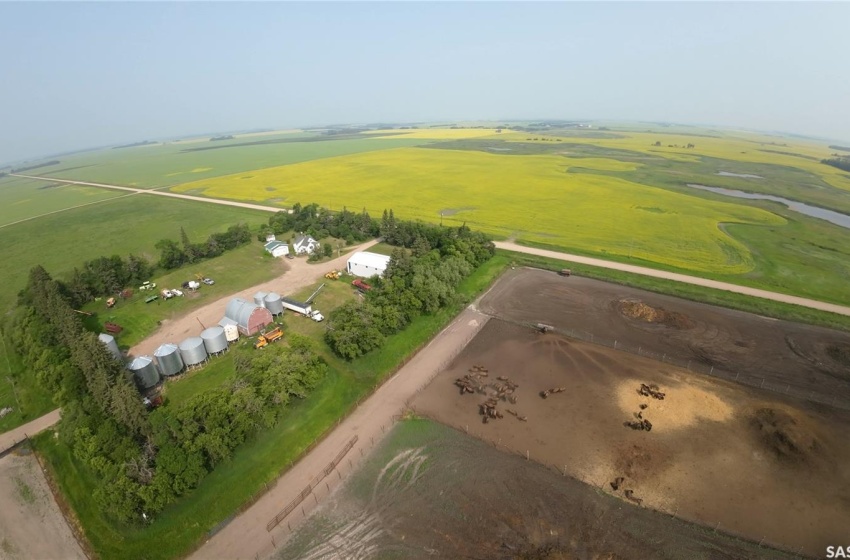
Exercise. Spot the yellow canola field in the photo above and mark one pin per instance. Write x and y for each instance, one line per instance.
(528, 197)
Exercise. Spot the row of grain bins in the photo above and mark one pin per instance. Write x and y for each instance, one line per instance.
(170, 359)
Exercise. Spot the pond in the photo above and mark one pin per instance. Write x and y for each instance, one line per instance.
(831, 216)
(739, 175)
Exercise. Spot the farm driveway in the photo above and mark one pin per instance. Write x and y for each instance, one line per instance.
(299, 275)
(246, 536)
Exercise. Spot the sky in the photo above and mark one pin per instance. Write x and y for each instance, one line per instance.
(79, 75)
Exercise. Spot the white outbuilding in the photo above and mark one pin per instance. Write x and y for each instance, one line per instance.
(277, 248)
(365, 264)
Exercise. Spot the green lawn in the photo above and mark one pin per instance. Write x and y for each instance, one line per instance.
(184, 525)
(232, 271)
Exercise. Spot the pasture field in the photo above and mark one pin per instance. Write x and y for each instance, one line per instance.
(532, 197)
(24, 199)
(169, 164)
(186, 524)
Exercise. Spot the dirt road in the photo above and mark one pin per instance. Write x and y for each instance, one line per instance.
(643, 271)
(156, 192)
(298, 275)
(12, 437)
(246, 535)
(696, 281)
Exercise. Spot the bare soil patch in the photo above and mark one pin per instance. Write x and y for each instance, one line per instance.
(634, 309)
(432, 492)
(31, 524)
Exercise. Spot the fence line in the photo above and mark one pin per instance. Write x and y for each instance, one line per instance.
(275, 521)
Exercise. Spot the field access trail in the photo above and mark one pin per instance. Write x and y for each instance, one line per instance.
(643, 271)
(684, 278)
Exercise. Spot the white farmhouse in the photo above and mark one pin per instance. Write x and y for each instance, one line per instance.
(305, 245)
(277, 248)
(365, 264)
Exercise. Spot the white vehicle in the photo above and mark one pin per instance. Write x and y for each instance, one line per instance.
(302, 308)
(166, 294)
(208, 281)
(176, 293)
(147, 286)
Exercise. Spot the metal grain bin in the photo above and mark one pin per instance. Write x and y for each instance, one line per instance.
(144, 371)
(111, 345)
(168, 359)
(215, 340)
(231, 332)
(259, 298)
(272, 303)
(192, 351)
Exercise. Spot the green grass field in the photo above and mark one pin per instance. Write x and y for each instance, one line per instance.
(26, 198)
(170, 164)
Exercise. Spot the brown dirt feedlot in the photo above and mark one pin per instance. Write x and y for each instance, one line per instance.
(760, 464)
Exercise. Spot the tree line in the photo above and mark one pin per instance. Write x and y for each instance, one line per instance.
(321, 222)
(841, 162)
(144, 461)
(174, 255)
(416, 282)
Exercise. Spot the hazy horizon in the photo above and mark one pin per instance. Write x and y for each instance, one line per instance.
(79, 76)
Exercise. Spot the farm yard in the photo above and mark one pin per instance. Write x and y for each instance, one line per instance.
(721, 454)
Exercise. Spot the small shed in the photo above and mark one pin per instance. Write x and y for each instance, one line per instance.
(249, 317)
(366, 265)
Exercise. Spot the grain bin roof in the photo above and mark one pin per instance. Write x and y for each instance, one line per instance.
(240, 310)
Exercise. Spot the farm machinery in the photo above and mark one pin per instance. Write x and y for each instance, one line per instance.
(333, 275)
(268, 337)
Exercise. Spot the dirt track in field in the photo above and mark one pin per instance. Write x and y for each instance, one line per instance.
(31, 524)
(756, 462)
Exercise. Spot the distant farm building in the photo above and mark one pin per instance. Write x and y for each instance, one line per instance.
(365, 264)
(248, 317)
(305, 245)
(277, 248)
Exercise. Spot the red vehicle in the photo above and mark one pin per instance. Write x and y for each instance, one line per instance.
(113, 328)
(361, 285)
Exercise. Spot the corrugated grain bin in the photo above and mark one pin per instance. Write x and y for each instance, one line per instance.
(192, 351)
(215, 340)
(144, 371)
(259, 298)
(111, 345)
(273, 304)
(231, 333)
(168, 359)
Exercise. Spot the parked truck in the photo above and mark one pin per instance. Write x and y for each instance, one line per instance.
(361, 285)
(302, 308)
(268, 336)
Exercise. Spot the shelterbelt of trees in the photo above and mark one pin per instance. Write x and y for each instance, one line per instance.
(144, 461)
(420, 281)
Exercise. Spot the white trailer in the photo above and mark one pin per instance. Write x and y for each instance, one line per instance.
(302, 308)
